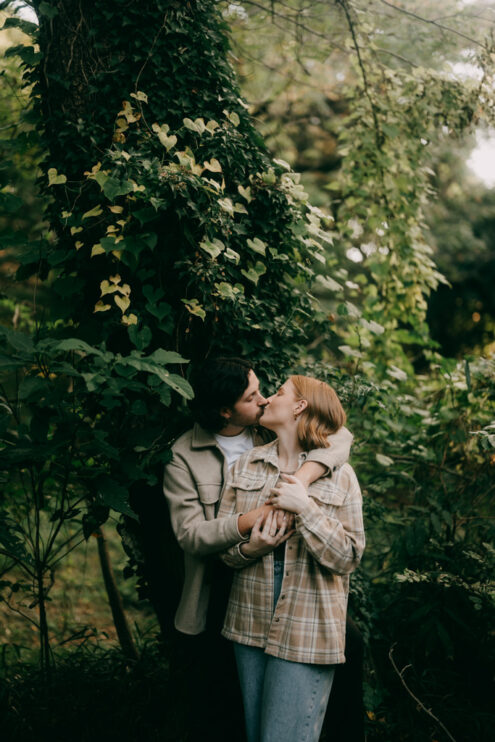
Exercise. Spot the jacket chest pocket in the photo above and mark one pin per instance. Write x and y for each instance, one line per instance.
(209, 494)
(328, 497)
(249, 493)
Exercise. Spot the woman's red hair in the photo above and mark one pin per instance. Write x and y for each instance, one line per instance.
(323, 416)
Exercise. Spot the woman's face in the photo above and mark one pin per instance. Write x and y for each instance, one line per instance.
(281, 407)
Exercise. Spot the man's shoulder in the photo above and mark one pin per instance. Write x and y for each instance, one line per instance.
(183, 442)
(194, 439)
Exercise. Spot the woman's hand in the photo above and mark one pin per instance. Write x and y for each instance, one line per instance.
(289, 495)
(266, 536)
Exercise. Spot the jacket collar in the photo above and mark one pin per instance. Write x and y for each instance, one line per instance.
(269, 453)
(202, 438)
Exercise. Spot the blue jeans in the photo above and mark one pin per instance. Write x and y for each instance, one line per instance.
(282, 700)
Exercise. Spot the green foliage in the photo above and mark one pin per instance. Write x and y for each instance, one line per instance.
(345, 96)
(429, 478)
(174, 234)
(188, 244)
(21, 211)
(76, 433)
(382, 187)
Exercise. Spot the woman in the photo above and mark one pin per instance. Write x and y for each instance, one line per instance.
(287, 607)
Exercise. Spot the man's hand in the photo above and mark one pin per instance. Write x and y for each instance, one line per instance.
(282, 517)
(289, 495)
(247, 520)
(265, 536)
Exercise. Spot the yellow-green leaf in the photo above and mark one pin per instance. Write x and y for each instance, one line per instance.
(129, 319)
(232, 255)
(123, 302)
(233, 117)
(254, 272)
(194, 307)
(329, 283)
(283, 164)
(211, 126)
(213, 165)
(245, 193)
(384, 460)
(227, 291)
(139, 95)
(198, 125)
(240, 209)
(227, 205)
(107, 288)
(101, 307)
(54, 178)
(95, 211)
(167, 140)
(125, 289)
(212, 247)
(257, 245)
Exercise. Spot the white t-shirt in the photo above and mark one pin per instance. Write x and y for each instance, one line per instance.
(234, 446)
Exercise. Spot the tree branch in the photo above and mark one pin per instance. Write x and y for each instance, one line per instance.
(378, 133)
(432, 23)
(400, 673)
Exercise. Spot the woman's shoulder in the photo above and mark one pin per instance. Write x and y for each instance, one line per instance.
(342, 480)
(345, 478)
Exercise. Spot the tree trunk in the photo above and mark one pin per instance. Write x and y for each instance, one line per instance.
(115, 599)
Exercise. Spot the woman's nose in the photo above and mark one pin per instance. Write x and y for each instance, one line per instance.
(263, 401)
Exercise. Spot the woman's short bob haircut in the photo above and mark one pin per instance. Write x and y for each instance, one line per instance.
(323, 415)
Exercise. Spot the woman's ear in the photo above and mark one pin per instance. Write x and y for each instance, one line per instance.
(301, 406)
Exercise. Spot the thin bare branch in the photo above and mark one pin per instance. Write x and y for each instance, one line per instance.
(431, 22)
(378, 133)
(400, 673)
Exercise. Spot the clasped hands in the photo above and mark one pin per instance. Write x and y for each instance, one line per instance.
(275, 523)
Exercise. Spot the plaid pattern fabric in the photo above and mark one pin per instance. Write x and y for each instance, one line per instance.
(308, 624)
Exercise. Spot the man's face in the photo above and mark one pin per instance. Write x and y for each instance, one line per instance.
(249, 407)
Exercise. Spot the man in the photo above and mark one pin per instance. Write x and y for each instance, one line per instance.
(227, 407)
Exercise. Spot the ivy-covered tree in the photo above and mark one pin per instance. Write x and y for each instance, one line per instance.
(173, 235)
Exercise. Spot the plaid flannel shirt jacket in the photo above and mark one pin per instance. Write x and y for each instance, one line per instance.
(308, 624)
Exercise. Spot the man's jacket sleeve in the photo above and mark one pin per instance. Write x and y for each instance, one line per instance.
(233, 556)
(193, 531)
(336, 454)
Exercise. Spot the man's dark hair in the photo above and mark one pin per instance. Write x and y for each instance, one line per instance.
(217, 383)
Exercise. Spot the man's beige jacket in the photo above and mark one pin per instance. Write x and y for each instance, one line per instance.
(193, 485)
